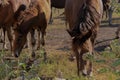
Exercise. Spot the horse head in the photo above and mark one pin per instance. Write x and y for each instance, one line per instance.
(19, 41)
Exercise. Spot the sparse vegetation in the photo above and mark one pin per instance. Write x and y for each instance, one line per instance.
(115, 5)
(106, 65)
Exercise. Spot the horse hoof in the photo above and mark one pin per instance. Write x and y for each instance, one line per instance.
(71, 58)
(84, 72)
(5, 48)
(87, 74)
(90, 74)
(16, 55)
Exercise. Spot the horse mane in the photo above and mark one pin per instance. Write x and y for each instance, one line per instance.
(30, 11)
(88, 18)
(18, 12)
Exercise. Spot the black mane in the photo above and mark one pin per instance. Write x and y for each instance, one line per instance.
(88, 18)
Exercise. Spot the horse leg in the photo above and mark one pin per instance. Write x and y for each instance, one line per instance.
(33, 41)
(38, 43)
(87, 50)
(106, 14)
(10, 37)
(1, 35)
(82, 63)
(42, 39)
(43, 43)
(77, 55)
(51, 19)
(4, 42)
(103, 14)
(78, 62)
(90, 69)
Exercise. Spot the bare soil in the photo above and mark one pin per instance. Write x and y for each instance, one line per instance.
(58, 46)
(58, 39)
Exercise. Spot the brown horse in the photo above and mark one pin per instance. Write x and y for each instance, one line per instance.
(6, 20)
(9, 9)
(60, 4)
(35, 17)
(83, 17)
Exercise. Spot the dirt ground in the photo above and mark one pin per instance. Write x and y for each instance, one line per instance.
(58, 41)
(57, 37)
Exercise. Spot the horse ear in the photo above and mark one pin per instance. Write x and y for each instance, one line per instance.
(18, 12)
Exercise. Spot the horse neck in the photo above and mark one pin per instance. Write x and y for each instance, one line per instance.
(78, 4)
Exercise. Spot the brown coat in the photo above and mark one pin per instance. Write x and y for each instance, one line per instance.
(37, 17)
(83, 18)
(8, 12)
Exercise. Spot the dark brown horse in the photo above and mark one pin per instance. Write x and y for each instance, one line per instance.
(9, 9)
(35, 17)
(60, 4)
(6, 20)
(83, 17)
(106, 6)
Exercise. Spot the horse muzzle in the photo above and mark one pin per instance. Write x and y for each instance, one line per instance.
(16, 54)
